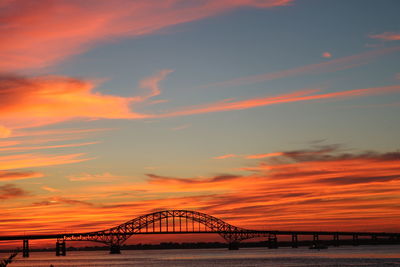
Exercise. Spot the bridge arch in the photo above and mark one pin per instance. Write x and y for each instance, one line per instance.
(167, 221)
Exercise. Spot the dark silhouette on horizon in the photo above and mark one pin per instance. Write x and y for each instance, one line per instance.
(192, 222)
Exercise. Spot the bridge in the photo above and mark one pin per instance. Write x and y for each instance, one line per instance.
(189, 222)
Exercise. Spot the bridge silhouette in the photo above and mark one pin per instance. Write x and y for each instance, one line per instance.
(189, 222)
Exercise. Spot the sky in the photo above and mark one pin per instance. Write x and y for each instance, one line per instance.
(268, 114)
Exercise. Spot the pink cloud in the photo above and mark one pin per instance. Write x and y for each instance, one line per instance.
(266, 155)
(298, 96)
(386, 36)
(151, 84)
(326, 55)
(226, 156)
(41, 33)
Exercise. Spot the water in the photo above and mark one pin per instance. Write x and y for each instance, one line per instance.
(341, 256)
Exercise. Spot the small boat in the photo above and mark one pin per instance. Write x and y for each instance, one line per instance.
(318, 246)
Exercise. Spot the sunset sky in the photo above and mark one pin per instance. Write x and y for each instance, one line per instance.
(268, 114)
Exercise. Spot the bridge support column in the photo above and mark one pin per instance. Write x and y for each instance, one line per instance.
(374, 239)
(335, 240)
(25, 248)
(115, 249)
(61, 249)
(233, 245)
(294, 241)
(272, 241)
(355, 240)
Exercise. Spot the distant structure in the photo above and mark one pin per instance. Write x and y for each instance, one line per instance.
(190, 222)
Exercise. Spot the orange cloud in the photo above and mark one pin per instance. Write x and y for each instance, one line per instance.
(261, 156)
(4, 132)
(50, 189)
(306, 188)
(303, 189)
(305, 95)
(56, 132)
(386, 36)
(46, 147)
(28, 102)
(103, 177)
(38, 160)
(18, 175)
(76, 26)
(226, 156)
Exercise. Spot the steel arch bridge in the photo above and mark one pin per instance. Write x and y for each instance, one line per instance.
(167, 222)
(189, 222)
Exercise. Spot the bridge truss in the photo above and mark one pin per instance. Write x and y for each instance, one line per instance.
(167, 222)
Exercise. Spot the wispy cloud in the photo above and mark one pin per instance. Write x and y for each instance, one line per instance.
(18, 175)
(102, 177)
(27, 148)
(298, 96)
(181, 127)
(152, 84)
(21, 161)
(76, 26)
(329, 66)
(50, 189)
(264, 155)
(386, 36)
(30, 102)
(227, 156)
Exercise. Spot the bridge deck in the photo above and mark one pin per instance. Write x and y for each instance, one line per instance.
(320, 233)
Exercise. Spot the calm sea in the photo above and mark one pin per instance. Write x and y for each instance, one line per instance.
(341, 256)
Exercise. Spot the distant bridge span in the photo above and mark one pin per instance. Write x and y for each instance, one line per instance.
(184, 222)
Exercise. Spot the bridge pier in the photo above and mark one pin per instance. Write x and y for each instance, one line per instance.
(272, 241)
(25, 248)
(355, 240)
(374, 239)
(316, 238)
(61, 249)
(335, 240)
(294, 241)
(115, 249)
(233, 245)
